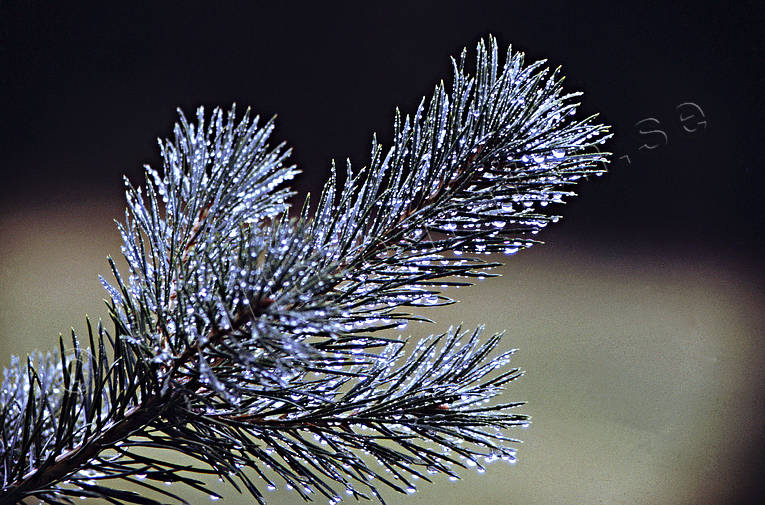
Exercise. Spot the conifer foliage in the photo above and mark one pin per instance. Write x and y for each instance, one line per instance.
(268, 343)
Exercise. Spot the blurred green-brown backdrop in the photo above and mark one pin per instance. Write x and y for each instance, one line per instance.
(640, 323)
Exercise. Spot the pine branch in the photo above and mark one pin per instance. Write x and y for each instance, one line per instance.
(265, 345)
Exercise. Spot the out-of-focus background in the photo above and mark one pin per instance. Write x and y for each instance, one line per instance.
(639, 323)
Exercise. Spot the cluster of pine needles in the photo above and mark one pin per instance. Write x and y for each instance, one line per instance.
(266, 343)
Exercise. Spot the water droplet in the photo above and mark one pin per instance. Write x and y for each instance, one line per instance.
(214, 497)
(558, 153)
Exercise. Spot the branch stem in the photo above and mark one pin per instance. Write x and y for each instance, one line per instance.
(77, 457)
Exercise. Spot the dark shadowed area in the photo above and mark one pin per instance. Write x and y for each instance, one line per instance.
(639, 323)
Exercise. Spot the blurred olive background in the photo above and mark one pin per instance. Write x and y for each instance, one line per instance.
(639, 323)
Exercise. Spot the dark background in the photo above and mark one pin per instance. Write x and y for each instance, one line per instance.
(86, 89)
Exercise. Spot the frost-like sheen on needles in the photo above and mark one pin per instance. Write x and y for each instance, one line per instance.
(266, 343)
